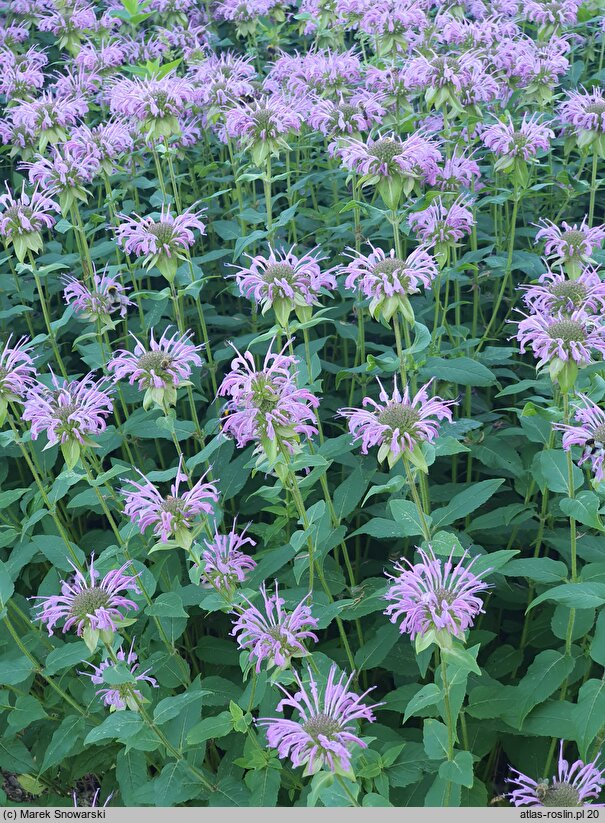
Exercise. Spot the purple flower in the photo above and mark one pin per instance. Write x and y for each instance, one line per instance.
(265, 405)
(571, 246)
(435, 598)
(414, 158)
(69, 410)
(589, 433)
(568, 337)
(262, 125)
(273, 634)
(511, 144)
(91, 605)
(440, 225)
(317, 73)
(105, 143)
(388, 281)
(284, 281)
(47, 118)
(584, 112)
(17, 373)
(24, 218)
(162, 242)
(219, 80)
(21, 73)
(125, 695)
(556, 293)
(64, 174)
(156, 103)
(172, 516)
(458, 171)
(552, 12)
(347, 116)
(224, 565)
(160, 369)
(325, 729)
(105, 297)
(68, 22)
(398, 424)
(574, 785)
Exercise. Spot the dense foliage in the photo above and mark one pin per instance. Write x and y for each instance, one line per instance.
(301, 365)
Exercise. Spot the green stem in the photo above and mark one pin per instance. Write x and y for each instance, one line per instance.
(51, 335)
(593, 186)
(426, 532)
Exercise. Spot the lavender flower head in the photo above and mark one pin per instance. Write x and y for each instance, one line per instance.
(265, 405)
(105, 143)
(64, 174)
(156, 103)
(571, 246)
(584, 113)
(398, 424)
(91, 605)
(573, 785)
(125, 695)
(172, 517)
(554, 292)
(162, 242)
(563, 341)
(388, 280)
(285, 281)
(159, 369)
(262, 125)
(223, 564)
(68, 412)
(442, 226)
(96, 302)
(272, 633)
(23, 219)
(589, 434)
(458, 171)
(325, 729)
(17, 373)
(515, 147)
(395, 166)
(437, 599)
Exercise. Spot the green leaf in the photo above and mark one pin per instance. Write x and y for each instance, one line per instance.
(589, 713)
(406, 514)
(597, 647)
(435, 738)
(26, 710)
(55, 551)
(176, 784)
(428, 695)
(264, 787)
(466, 502)
(167, 605)
(375, 650)
(131, 774)
(459, 770)
(117, 726)
(584, 508)
(66, 656)
(64, 741)
(540, 569)
(574, 595)
(460, 370)
(170, 707)
(210, 728)
(547, 672)
(6, 585)
(442, 793)
(549, 467)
